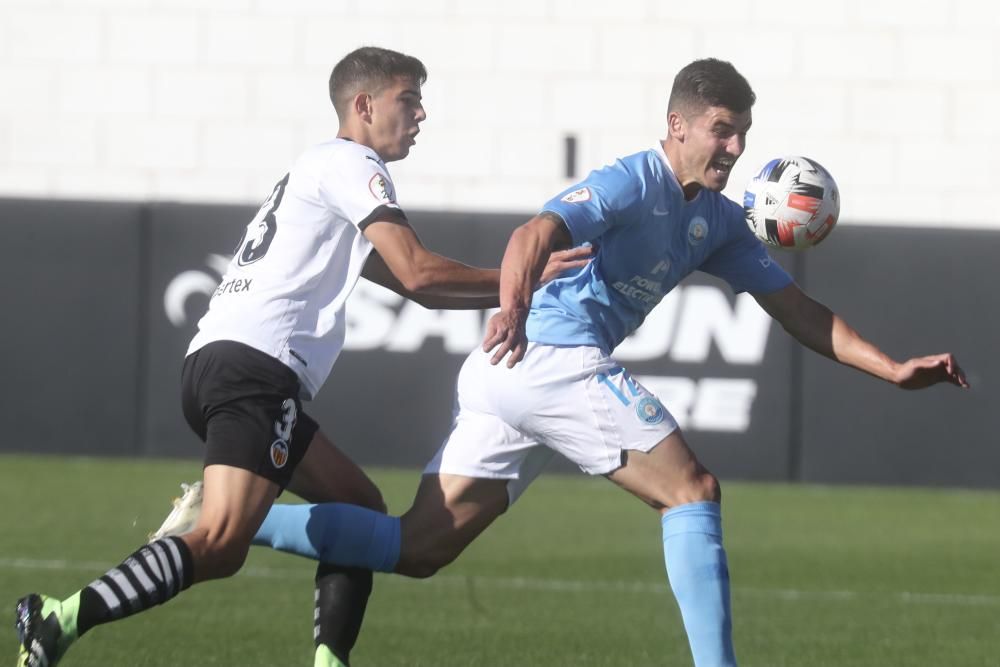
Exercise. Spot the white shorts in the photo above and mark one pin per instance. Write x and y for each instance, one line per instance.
(576, 401)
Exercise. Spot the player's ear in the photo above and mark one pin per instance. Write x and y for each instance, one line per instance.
(676, 125)
(362, 105)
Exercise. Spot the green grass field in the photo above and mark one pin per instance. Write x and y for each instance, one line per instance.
(573, 575)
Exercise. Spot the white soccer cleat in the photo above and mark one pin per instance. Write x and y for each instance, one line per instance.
(184, 515)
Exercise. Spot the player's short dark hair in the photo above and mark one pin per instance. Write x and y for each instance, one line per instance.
(370, 69)
(710, 83)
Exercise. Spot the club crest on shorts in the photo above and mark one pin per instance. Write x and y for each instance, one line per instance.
(279, 453)
(649, 410)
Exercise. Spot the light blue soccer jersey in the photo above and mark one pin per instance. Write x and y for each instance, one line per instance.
(648, 239)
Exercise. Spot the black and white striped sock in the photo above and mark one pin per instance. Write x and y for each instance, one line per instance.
(152, 575)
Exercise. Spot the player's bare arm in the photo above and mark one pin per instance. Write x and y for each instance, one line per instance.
(421, 271)
(527, 252)
(820, 329)
(377, 271)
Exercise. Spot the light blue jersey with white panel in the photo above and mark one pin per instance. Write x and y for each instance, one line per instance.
(648, 239)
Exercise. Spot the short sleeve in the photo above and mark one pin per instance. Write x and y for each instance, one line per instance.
(744, 263)
(358, 184)
(607, 197)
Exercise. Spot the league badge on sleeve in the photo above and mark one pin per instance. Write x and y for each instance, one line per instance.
(577, 196)
(381, 189)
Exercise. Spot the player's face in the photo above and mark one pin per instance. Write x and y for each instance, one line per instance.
(712, 143)
(397, 112)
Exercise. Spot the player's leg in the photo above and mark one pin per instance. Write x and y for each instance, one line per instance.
(235, 503)
(327, 475)
(447, 514)
(670, 479)
(243, 404)
(356, 536)
(340, 494)
(596, 415)
(481, 469)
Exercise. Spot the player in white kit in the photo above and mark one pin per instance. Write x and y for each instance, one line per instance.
(545, 382)
(273, 331)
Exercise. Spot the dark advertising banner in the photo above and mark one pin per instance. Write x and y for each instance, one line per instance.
(913, 292)
(191, 246)
(70, 285)
(101, 301)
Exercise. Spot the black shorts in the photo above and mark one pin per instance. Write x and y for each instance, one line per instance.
(245, 406)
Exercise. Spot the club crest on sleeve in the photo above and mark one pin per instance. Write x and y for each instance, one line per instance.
(279, 453)
(380, 188)
(577, 196)
(649, 410)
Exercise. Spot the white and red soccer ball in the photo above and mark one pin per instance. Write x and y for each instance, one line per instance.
(792, 203)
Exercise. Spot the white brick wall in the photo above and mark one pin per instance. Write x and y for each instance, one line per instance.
(209, 100)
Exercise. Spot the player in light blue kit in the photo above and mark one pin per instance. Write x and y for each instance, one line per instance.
(545, 382)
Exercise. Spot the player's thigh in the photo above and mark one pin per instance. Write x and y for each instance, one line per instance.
(448, 513)
(235, 501)
(234, 505)
(667, 475)
(328, 475)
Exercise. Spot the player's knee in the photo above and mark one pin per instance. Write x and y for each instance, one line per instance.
(218, 554)
(701, 486)
(421, 568)
(375, 501)
(422, 562)
(705, 488)
(229, 558)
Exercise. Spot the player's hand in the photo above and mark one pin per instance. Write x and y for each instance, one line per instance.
(563, 260)
(505, 332)
(925, 371)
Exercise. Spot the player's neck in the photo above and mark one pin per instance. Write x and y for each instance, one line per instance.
(689, 186)
(358, 136)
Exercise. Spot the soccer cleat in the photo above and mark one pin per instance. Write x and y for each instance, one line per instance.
(326, 658)
(43, 629)
(184, 515)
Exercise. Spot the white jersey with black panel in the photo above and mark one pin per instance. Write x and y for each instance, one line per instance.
(300, 257)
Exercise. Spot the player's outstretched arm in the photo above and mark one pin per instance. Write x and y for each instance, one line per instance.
(420, 271)
(407, 267)
(818, 328)
(378, 272)
(528, 250)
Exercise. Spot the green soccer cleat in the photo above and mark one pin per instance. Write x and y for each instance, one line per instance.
(326, 658)
(45, 627)
(184, 515)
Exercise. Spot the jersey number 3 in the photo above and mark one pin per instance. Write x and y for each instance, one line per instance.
(261, 230)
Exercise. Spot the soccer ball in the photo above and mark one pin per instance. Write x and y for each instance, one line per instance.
(792, 203)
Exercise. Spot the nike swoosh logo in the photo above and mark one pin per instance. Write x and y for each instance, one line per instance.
(660, 211)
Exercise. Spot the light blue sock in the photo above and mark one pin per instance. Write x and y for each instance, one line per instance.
(333, 533)
(699, 577)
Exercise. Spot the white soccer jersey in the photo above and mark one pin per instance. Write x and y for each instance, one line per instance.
(299, 259)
